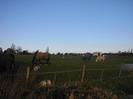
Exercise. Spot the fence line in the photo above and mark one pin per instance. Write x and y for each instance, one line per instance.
(82, 72)
(75, 70)
(78, 70)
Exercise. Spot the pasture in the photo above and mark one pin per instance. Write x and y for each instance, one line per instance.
(57, 63)
(69, 70)
(75, 62)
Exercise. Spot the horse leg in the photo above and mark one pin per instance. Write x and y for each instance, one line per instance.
(99, 59)
(96, 59)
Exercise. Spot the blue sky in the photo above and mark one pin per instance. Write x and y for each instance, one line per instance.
(67, 25)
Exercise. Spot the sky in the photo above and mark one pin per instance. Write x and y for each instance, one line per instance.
(67, 25)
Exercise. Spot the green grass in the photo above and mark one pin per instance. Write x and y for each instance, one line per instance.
(111, 68)
(76, 62)
(23, 59)
(57, 63)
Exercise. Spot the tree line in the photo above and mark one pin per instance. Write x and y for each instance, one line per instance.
(15, 50)
(18, 50)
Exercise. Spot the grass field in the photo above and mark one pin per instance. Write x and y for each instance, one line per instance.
(76, 62)
(57, 63)
(69, 71)
(111, 65)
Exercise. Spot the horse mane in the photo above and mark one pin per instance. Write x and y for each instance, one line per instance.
(34, 57)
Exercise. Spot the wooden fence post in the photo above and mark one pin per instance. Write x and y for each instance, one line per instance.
(27, 73)
(83, 73)
(101, 77)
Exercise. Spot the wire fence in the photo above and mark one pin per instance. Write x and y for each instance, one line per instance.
(18, 88)
(86, 75)
(76, 75)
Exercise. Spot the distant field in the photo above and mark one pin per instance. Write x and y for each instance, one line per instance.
(76, 62)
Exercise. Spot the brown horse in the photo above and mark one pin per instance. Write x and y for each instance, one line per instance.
(39, 57)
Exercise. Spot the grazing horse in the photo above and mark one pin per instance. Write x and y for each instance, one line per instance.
(39, 57)
(100, 57)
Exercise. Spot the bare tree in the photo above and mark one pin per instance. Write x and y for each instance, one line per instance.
(13, 47)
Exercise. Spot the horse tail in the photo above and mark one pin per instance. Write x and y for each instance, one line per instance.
(34, 57)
